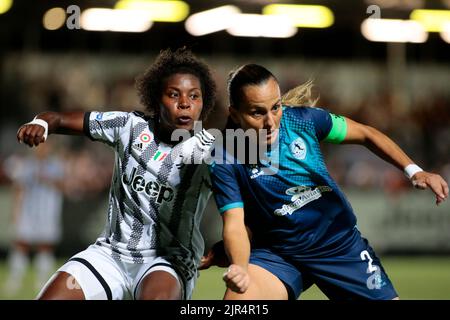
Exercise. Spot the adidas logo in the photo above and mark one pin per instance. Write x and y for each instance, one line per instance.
(138, 146)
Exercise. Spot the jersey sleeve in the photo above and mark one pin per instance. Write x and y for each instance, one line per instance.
(225, 187)
(329, 127)
(338, 129)
(105, 126)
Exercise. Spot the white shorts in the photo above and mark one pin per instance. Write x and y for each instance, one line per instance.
(101, 277)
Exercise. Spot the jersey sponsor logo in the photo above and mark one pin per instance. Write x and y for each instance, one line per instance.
(152, 188)
(298, 148)
(301, 196)
(255, 171)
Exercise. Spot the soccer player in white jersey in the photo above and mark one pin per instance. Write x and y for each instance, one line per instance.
(151, 245)
(38, 199)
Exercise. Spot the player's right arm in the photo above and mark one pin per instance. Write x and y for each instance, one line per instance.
(237, 247)
(71, 123)
(236, 238)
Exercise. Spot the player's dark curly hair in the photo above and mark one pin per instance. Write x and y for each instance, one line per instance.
(150, 84)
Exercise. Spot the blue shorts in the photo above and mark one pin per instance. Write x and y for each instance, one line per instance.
(352, 272)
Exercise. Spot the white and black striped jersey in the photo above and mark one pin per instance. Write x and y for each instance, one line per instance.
(158, 191)
(41, 203)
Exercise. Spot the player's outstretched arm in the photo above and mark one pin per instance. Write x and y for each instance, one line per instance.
(385, 148)
(237, 246)
(36, 131)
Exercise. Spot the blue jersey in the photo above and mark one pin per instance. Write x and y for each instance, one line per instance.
(300, 208)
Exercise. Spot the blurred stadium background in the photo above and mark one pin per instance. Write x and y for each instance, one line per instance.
(385, 63)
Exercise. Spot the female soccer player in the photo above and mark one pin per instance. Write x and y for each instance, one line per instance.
(151, 244)
(303, 229)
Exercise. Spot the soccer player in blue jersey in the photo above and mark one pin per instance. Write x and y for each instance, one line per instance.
(287, 225)
(151, 244)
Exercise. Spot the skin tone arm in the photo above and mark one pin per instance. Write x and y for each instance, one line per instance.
(58, 122)
(388, 150)
(237, 246)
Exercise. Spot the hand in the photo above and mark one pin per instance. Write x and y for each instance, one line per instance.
(237, 278)
(207, 261)
(216, 256)
(31, 134)
(423, 180)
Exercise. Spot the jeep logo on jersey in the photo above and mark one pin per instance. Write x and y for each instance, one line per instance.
(152, 188)
(256, 172)
(298, 148)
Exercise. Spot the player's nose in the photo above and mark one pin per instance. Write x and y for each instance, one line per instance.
(269, 122)
(184, 103)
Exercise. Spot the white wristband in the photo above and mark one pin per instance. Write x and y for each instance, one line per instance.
(41, 123)
(411, 169)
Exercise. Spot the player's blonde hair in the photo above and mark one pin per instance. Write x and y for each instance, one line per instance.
(300, 95)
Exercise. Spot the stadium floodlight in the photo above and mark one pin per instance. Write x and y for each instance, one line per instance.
(306, 16)
(54, 18)
(5, 5)
(162, 11)
(445, 33)
(101, 19)
(393, 30)
(432, 20)
(256, 25)
(210, 21)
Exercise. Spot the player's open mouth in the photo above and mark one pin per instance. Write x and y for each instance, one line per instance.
(184, 120)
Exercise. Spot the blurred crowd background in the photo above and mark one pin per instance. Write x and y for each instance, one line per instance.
(401, 88)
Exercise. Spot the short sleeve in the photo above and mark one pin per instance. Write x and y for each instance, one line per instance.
(322, 122)
(105, 126)
(225, 187)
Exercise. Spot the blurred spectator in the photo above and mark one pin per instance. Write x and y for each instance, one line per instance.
(38, 198)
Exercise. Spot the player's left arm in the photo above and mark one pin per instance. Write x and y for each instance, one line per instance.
(385, 148)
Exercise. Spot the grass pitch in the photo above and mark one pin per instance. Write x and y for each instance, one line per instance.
(418, 278)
